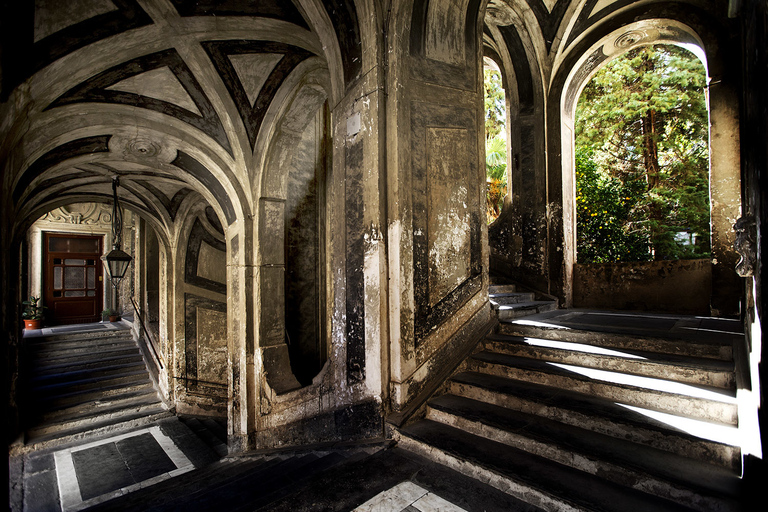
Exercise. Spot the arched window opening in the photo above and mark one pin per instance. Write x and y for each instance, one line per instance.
(304, 251)
(642, 159)
(495, 140)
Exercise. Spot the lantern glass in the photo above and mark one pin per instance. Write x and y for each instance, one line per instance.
(116, 262)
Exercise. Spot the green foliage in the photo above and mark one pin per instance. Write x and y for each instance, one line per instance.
(495, 104)
(604, 215)
(32, 311)
(495, 143)
(642, 123)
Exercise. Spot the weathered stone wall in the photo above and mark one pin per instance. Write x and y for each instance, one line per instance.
(437, 234)
(202, 378)
(682, 287)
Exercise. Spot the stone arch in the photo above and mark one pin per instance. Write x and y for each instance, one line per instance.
(285, 162)
(584, 60)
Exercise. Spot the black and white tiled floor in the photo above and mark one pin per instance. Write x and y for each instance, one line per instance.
(101, 470)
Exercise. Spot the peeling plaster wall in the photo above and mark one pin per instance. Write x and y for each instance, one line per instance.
(436, 185)
(204, 369)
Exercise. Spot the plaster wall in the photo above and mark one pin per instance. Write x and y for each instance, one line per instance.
(682, 287)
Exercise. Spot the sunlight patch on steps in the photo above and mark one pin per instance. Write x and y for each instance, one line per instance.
(649, 383)
(580, 347)
(701, 429)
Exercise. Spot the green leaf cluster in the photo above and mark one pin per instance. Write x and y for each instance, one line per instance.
(642, 165)
(495, 143)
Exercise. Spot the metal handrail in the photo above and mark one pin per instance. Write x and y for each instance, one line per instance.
(151, 343)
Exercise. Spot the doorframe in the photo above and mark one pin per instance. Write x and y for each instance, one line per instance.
(44, 278)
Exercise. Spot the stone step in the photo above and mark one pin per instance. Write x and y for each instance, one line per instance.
(81, 396)
(128, 376)
(704, 441)
(512, 311)
(692, 346)
(502, 288)
(71, 375)
(76, 364)
(80, 334)
(83, 421)
(65, 359)
(48, 352)
(692, 370)
(710, 404)
(535, 480)
(643, 468)
(95, 405)
(499, 299)
(109, 426)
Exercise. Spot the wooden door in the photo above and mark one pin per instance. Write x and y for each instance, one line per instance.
(73, 278)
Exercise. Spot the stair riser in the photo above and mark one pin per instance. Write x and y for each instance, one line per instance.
(512, 299)
(71, 399)
(109, 429)
(519, 490)
(511, 314)
(63, 390)
(94, 406)
(43, 353)
(715, 453)
(65, 359)
(617, 474)
(95, 364)
(502, 288)
(688, 406)
(101, 334)
(85, 423)
(622, 341)
(724, 379)
(91, 373)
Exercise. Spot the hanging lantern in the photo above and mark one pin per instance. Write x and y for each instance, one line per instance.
(116, 261)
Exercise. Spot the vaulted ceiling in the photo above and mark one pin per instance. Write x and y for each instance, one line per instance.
(173, 96)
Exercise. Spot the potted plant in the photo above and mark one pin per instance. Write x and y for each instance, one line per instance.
(33, 313)
(111, 314)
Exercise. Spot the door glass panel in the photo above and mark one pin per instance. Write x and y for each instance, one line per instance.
(74, 293)
(91, 277)
(74, 277)
(73, 245)
(74, 261)
(57, 278)
(91, 293)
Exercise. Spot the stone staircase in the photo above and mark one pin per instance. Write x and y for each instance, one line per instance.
(591, 419)
(510, 303)
(84, 384)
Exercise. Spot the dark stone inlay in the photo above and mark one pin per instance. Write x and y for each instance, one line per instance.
(171, 205)
(72, 149)
(344, 15)
(28, 56)
(197, 237)
(283, 10)
(355, 251)
(213, 219)
(112, 466)
(253, 115)
(549, 22)
(187, 163)
(522, 68)
(95, 90)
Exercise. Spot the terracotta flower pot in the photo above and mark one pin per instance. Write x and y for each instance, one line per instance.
(32, 324)
(114, 318)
